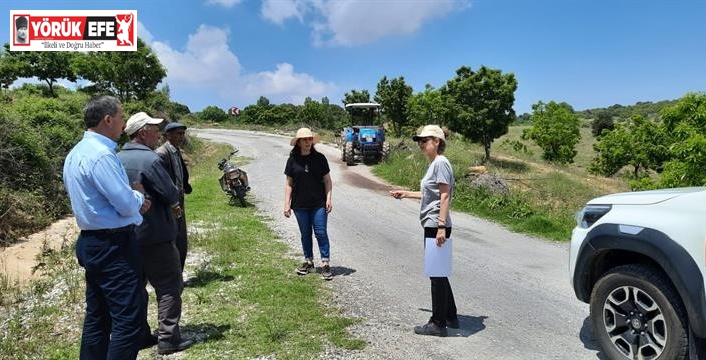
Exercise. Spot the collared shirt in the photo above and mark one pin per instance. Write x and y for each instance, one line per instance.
(101, 197)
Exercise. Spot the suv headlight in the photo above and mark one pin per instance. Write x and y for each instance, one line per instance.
(590, 214)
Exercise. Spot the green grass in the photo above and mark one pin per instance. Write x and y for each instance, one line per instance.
(43, 320)
(243, 302)
(584, 148)
(543, 197)
(247, 297)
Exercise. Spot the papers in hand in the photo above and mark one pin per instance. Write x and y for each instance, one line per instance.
(437, 259)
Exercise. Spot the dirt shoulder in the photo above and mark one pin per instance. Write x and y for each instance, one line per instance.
(19, 263)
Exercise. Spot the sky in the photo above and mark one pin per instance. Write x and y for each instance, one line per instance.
(588, 53)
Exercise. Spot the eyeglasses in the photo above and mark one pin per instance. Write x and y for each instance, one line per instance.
(423, 141)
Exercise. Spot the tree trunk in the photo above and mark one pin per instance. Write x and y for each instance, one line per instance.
(486, 158)
(51, 88)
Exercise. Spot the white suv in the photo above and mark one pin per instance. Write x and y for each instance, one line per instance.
(639, 260)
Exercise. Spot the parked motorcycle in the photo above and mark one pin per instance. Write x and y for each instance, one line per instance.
(234, 181)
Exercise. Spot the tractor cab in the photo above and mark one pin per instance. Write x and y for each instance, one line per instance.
(364, 139)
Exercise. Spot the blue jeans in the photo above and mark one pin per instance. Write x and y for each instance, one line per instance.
(114, 306)
(313, 219)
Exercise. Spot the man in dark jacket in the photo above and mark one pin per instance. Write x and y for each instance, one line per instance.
(175, 134)
(157, 233)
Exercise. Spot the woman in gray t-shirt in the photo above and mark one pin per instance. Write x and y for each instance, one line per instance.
(436, 191)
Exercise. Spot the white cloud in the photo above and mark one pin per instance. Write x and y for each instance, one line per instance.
(143, 33)
(286, 84)
(207, 65)
(206, 62)
(355, 22)
(278, 11)
(224, 3)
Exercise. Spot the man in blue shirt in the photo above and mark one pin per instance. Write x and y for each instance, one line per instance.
(107, 208)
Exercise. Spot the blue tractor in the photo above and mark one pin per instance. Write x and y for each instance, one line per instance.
(366, 141)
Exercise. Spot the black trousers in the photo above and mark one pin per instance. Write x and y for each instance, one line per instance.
(443, 305)
(182, 244)
(114, 302)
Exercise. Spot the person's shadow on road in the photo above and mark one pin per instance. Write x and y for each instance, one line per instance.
(341, 271)
(468, 325)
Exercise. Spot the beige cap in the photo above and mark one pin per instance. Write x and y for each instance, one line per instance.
(304, 133)
(138, 121)
(430, 130)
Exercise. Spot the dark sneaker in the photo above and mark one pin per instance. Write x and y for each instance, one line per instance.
(167, 347)
(430, 329)
(305, 268)
(453, 323)
(326, 272)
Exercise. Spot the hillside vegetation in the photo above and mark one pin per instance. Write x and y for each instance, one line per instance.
(37, 130)
(553, 149)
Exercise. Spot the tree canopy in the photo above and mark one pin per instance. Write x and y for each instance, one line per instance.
(637, 142)
(428, 107)
(128, 75)
(481, 104)
(555, 129)
(47, 66)
(355, 96)
(685, 123)
(394, 95)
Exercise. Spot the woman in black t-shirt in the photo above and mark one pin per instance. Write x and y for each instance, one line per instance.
(307, 191)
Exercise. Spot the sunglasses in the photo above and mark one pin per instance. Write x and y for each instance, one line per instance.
(423, 141)
(307, 139)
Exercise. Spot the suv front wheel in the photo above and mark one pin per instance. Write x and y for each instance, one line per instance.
(636, 314)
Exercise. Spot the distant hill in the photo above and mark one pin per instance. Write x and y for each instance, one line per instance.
(647, 109)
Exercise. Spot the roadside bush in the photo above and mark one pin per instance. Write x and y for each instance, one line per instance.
(35, 135)
(604, 121)
(213, 114)
(21, 212)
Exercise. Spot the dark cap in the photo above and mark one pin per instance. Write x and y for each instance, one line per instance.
(173, 125)
(21, 22)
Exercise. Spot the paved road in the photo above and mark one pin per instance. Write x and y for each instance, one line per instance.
(512, 291)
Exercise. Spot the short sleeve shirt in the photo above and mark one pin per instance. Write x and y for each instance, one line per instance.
(439, 172)
(308, 191)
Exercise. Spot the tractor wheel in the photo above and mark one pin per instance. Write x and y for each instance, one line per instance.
(349, 153)
(385, 153)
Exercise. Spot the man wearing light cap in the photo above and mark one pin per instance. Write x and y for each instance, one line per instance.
(175, 135)
(157, 234)
(21, 30)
